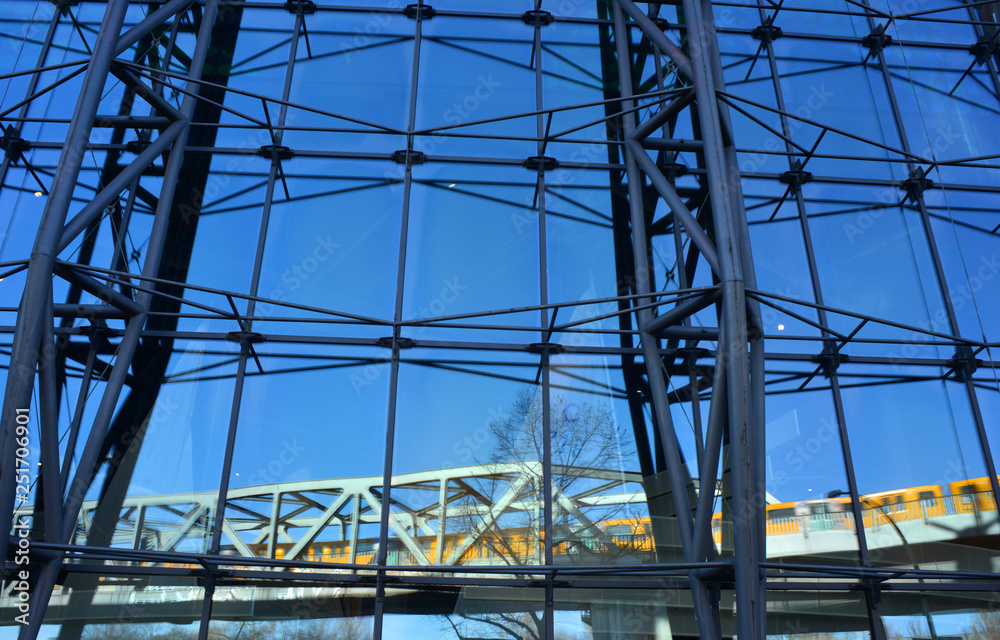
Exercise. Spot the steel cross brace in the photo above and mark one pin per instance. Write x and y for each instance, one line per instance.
(738, 383)
(35, 311)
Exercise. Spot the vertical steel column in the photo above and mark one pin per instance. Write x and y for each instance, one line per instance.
(545, 356)
(88, 464)
(845, 443)
(918, 197)
(397, 317)
(246, 327)
(704, 53)
(35, 301)
(48, 428)
(650, 345)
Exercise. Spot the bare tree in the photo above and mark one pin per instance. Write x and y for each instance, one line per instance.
(912, 628)
(527, 625)
(984, 625)
(584, 438)
(355, 628)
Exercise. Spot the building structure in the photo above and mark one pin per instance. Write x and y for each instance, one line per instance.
(457, 320)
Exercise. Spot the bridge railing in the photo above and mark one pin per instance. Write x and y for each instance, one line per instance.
(875, 515)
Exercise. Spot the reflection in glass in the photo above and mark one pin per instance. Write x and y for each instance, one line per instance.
(509, 613)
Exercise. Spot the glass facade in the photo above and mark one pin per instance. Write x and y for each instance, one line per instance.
(570, 320)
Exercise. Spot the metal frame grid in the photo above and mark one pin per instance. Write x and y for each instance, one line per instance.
(681, 102)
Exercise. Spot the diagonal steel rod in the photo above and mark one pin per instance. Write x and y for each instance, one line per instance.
(35, 299)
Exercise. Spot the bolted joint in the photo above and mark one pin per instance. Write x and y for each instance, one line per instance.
(136, 146)
(916, 184)
(766, 32)
(877, 40)
(544, 347)
(872, 589)
(537, 18)
(540, 163)
(830, 358)
(414, 157)
(672, 170)
(404, 343)
(12, 144)
(964, 363)
(558, 584)
(692, 355)
(796, 177)
(275, 151)
(419, 11)
(983, 49)
(304, 7)
(248, 336)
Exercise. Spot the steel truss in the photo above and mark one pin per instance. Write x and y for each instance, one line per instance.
(137, 320)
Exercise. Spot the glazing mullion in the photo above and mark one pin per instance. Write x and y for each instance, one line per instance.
(544, 322)
(246, 326)
(821, 312)
(32, 85)
(990, 60)
(397, 319)
(918, 197)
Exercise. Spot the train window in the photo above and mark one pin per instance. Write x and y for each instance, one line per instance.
(782, 513)
(620, 530)
(926, 495)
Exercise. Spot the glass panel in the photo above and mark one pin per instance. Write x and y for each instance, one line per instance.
(921, 475)
(805, 464)
(802, 615)
(263, 610)
(488, 81)
(662, 611)
(467, 467)
(329, 228)
(601, 513)
(468, 612)
(465, 256)
(947, 614)
(307, 474)
(120, 606)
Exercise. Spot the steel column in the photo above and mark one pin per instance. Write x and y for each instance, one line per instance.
(703, 48)
(650, 345)
(33, 312)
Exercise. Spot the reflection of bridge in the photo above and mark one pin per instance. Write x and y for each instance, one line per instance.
(436, 517)
(490, 515)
